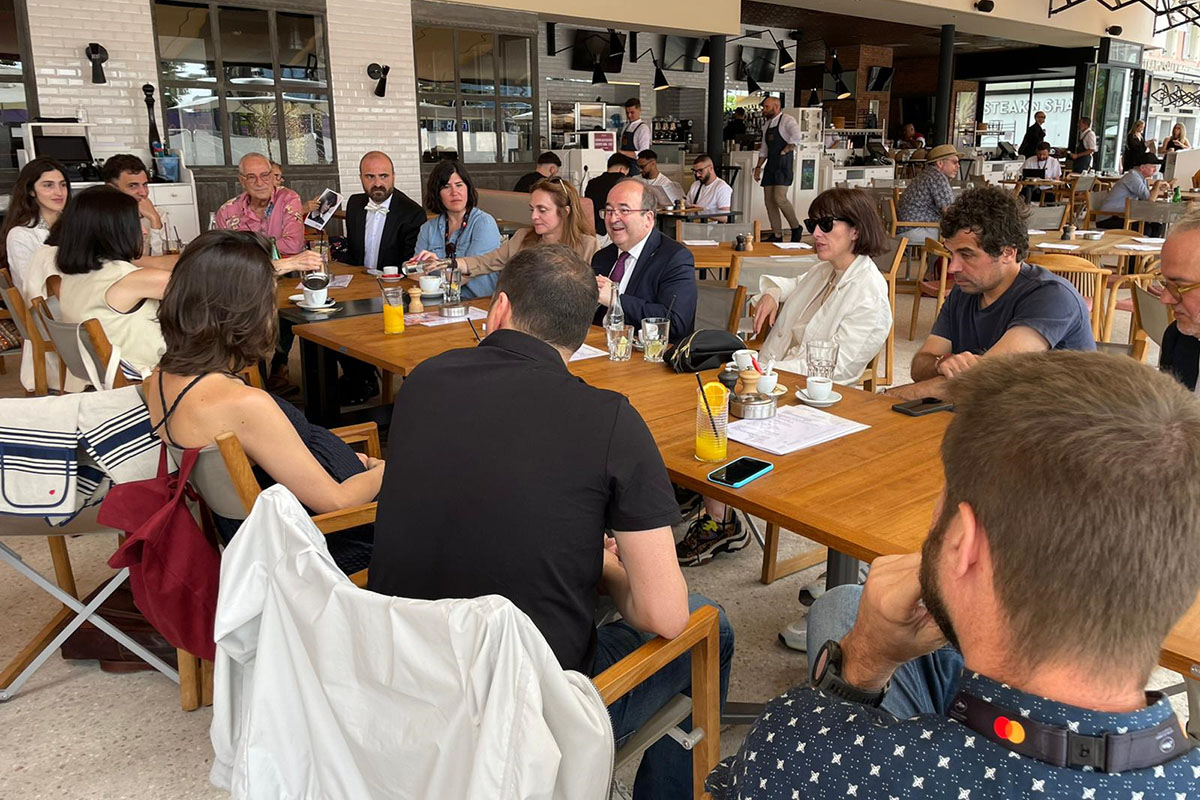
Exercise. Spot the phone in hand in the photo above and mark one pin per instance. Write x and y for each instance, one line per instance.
(739, 472)
(923, 406)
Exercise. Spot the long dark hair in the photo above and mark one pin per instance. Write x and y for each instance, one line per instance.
(218, 312)
(438, 180)
(23, 210)
(103, 226)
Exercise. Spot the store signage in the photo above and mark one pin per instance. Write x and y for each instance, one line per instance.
(604, 140)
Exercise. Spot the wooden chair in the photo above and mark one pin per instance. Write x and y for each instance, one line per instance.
(224, 477)
(931, 288)
(889, 264)
(1196, 180)
(894, 224)
(95, 346)
(15, 305)
(1091, 282)
(1149, 316)
(18, 321)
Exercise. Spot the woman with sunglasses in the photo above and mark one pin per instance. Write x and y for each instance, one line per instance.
(556, 217)
(843, 299)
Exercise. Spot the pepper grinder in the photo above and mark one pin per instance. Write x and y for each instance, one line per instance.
(415, 306)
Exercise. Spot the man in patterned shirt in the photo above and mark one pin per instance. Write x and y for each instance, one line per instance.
(929, 193)
(273, 211)
(1055, 589)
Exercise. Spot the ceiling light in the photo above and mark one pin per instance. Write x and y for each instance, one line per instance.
(786, 61)
(985, 6)
(843, 91)
(598, 74)
(752, 85)
(615, 47)
(835, 67)
(703, 57)
(660, 80)
(814, 99)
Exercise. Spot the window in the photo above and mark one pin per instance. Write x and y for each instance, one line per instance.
(16, 81)
(476, 95)
(244, 80)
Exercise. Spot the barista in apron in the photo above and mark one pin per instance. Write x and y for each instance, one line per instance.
(777, 153)
(635, 136)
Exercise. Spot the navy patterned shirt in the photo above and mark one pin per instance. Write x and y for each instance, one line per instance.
(926, 196)
(809, 744)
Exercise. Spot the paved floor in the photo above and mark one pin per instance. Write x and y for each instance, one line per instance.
(76, 732)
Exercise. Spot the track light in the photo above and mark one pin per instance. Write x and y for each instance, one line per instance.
(703, 58)
(598, 75)
(985, 6)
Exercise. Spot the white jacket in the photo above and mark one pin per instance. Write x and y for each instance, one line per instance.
(857, 315)
(324, 690)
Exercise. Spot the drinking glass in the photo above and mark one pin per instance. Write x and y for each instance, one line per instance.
(620, 342)
(452, 285)
(321, 248)
(712, 433)
(655, 333)
(393, 310)
(822, 358)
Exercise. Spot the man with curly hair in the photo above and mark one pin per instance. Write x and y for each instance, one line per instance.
(999, 304)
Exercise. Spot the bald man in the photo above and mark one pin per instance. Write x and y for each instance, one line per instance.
(264, 208)
(381, 222)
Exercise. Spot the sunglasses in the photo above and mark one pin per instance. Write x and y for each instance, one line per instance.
(824, 223)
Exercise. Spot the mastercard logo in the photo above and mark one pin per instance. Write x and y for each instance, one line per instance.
(1009, 730)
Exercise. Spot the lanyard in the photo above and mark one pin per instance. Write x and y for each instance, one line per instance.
(461, 228)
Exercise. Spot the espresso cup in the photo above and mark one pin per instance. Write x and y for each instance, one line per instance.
(818, 388)
(767, 383)
(430, 284)
(391, 272)
(316, 297)
(744, 358)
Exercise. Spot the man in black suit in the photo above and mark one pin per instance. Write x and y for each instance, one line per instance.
(598, 187)
(1181, 274)
(653, 272)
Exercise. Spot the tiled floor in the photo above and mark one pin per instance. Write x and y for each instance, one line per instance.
(76, 732)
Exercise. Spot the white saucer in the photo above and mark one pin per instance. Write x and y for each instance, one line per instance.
(779, 391)
(329, 303)
(828, 401)
(432, 295)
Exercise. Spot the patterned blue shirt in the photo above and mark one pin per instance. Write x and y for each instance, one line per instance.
(809, 744)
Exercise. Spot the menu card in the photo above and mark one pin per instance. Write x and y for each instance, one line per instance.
(793, 245)
(1058, 246)
(701, 242)
(587, 351)
(792, 428)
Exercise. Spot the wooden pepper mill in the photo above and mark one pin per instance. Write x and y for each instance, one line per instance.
(749, 380)
(415, 306)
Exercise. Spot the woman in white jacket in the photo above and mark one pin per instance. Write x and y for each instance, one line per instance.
(842, 299)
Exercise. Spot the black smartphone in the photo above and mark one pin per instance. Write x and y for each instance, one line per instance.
(739, 472)
(923, 406)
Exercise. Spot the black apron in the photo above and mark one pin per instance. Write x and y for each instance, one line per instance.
(778, 170)
(627, 137)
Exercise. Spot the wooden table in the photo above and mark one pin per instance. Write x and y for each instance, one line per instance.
(720, 255)
(1093, 250)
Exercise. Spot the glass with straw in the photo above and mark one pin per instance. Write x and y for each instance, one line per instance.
(712, 421)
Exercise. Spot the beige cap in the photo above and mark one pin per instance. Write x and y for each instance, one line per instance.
(940, 152)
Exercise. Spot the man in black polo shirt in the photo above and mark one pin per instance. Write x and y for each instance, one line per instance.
(550, 464)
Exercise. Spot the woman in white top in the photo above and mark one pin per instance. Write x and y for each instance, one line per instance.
(843, 299)
(39, 195)
(97, 242)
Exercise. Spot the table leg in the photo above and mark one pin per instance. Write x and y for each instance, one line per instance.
(840, 569)
(1193, 695)
(319, 381)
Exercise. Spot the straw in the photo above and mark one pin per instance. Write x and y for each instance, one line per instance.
(671, 306)
(708, 408)
(178, 238)
(472, 324)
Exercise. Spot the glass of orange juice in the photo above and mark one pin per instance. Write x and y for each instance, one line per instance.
(393, 310)
(712, 432)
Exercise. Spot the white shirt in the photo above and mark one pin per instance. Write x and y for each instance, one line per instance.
(641, 134)
(1051, 165)
(155, 238)
(373, 235)
(635, 253)
(1087, 140)
(788, 127)
(674, 190)
(716, 196)
(20, 245)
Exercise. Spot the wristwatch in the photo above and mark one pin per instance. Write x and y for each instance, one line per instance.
(829, 678)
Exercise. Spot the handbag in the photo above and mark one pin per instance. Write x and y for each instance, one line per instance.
(174, 568)
(700, 350)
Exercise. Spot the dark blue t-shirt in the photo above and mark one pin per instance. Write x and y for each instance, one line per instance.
(1037, 299)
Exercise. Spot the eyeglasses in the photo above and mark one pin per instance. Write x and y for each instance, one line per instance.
(623, 211)
(262, 177)
(824, 223)
(1178, 290)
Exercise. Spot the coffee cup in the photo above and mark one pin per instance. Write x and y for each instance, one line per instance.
(430, 284)
(767, 383)
(316, 298)
(391, 272)
(744, 358)
(818, 388)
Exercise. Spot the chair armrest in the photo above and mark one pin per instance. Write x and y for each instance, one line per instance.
(702, 639)
(367, 432)
(345, 518)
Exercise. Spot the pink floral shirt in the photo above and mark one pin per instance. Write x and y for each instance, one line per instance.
(283, 219)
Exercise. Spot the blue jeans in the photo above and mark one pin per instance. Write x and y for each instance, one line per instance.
(666, 768)
(925, 685)
(481, 286)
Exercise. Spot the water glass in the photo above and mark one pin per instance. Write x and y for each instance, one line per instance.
(822, 358)
(655, 333)
(452, 285)
(620, 342)
(321, 248)
(712, 433)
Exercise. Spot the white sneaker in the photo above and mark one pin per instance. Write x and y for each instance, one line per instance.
(795, 635)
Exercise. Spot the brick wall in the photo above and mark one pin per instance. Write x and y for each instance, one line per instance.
(361, 33)
(59, 32)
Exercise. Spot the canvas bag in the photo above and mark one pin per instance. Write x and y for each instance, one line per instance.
(174, 567)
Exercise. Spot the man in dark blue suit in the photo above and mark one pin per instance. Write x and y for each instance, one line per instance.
(654, 273)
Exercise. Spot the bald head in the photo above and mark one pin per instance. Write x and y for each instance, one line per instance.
(377, 174)
(254, 173)
(770, 107)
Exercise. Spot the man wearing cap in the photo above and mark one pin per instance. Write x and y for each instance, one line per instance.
(1134, 185)
(928, 195)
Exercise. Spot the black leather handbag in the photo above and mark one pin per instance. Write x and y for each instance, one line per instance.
(707, 349)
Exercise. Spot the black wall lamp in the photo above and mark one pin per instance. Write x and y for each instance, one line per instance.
(379, 73)
(1114, 30)
(985, 6)
(841, 91)
(96, 54)
(660, 79)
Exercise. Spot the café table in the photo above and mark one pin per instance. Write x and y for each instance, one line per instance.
(720, 255)
(1094, 250)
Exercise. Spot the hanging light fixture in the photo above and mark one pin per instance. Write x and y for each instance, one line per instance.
(835, 66)
(814, 99)
(843, 91)
(660, 80)
(786, 61)
(598, 75)
(751, 84)
(703, 58)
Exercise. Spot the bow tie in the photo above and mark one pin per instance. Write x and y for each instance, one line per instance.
(373, 206)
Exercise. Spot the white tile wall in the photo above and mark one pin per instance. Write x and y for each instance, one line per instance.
(59, 32)
(360, 33)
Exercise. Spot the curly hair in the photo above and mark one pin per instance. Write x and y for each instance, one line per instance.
(994, 216)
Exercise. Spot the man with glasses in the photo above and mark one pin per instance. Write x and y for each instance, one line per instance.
(648, 166)
(999, 304)
(656, 275)
(274, 212)
(929, 193)
(1181, 278)
(708, 191)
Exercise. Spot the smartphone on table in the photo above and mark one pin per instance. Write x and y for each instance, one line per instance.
(923, 406)
(739, 472)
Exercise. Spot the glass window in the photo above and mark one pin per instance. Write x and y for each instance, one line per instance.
(246, 45)
(516, 138)
(476, 69)
(301, 48)
(193, 119)
(185, 42)
(435, 59)
(515, 77)
(253, 124)
(479, 132)
(14, 108)
(306, 128)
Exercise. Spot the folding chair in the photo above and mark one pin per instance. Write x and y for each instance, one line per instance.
(74, 613)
